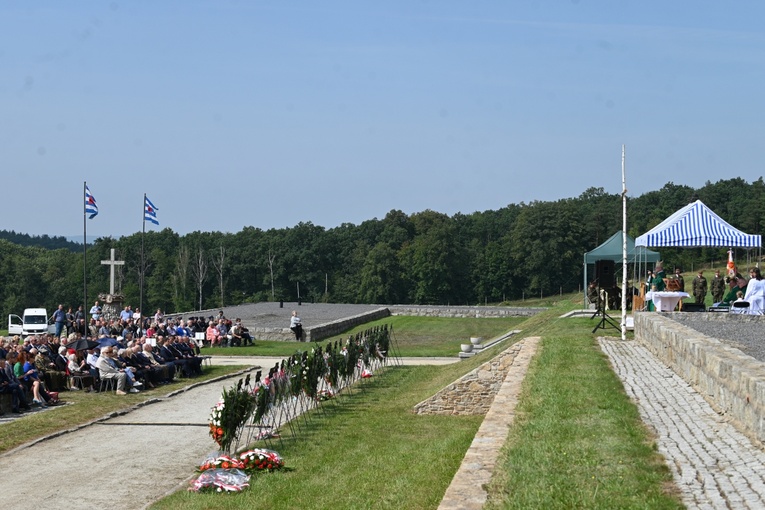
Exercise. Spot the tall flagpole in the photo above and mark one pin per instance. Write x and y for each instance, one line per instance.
(84, 252)
(625, 287)
(141, 274)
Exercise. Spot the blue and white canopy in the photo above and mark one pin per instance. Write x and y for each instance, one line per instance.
(696, 225)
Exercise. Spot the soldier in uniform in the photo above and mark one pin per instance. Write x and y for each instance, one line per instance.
(718, 287)
(700, 288)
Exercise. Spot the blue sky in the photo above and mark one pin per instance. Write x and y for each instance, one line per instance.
(266, 114)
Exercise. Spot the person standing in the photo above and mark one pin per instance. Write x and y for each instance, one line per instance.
(680, 279)
(69, 321)
(59, 318)
(718, 287)
(700, 288)
(755, 292)
(657, 281)
(296, 326)
(95, 311)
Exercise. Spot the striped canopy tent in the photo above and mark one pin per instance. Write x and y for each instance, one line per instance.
(695, 225)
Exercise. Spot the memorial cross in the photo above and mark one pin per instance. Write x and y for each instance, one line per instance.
(111, 263)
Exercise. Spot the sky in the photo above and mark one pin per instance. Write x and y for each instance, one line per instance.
(229, 114)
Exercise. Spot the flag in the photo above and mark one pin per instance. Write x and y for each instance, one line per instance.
(90, 204)
(149, 211)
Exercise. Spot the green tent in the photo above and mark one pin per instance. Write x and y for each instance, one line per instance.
(612, 250)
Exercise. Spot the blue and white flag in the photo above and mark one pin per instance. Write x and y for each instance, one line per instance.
(90, 204)
(149, 211)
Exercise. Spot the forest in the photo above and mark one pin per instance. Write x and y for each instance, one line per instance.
(523, 250)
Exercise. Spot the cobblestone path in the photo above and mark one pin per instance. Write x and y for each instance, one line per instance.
(713, 464)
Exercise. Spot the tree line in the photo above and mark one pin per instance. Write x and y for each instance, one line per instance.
(522, 250)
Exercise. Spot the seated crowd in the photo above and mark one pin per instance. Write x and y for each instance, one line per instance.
(128, 358)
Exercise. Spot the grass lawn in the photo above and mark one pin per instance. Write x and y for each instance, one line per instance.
(368, 450)
(413, 336)
(577, 443)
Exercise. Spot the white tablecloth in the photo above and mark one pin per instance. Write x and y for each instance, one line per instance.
(665, 301)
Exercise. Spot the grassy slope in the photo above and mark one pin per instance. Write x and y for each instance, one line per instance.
(578, 441)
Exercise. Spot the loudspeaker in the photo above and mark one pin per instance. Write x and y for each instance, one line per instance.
(694, 307)
(604, 272)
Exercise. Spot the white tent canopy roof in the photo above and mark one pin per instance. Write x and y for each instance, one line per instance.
(696, 225)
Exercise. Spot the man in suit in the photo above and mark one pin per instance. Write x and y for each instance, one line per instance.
(108, 369)
(166, 369)
(169, 353)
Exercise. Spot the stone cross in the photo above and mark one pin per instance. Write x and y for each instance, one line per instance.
(111, 263)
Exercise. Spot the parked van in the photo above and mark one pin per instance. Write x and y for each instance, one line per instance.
(34, 322)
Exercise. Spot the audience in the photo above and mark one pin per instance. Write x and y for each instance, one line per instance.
(31, 368)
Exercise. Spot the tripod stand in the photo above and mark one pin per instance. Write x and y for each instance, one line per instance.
(605, 319)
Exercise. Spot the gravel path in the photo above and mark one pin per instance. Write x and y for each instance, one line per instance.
(744, 332)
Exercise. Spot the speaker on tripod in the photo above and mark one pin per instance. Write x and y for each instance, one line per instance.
(604, 273)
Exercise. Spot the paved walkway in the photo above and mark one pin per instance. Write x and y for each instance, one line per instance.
(467, 489)
(125, 462)
(713, 464)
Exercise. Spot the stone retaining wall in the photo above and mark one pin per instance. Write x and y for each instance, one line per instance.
(473, 393)
(463, 311)
(334, 328)
(330, 329)
(731, 381)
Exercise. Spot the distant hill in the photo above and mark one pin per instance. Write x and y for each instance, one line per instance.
(43, 241)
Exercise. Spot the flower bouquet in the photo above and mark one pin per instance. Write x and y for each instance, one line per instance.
(221, 462)
(220, 480)
(221, 473)
(260, 459)
(324, 395)
(228, 416)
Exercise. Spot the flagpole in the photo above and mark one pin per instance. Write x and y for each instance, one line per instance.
(624, 250)
(141, 274)
(84, 252)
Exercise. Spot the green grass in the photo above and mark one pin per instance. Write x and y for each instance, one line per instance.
(368, 450)
(439, 336)
(578, 441)
(414, 336)
(83, 407)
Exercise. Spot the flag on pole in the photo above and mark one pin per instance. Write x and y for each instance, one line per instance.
(149, 211)
(90, 204)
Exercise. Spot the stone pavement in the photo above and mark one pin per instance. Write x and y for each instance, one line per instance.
(713, 464)
(467, 489)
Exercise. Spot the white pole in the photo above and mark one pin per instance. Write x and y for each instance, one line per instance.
(624, 250)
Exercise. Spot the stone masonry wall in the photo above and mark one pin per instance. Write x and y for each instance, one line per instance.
(330, 329)
(463, 311)
(473, 393)
(731, 381)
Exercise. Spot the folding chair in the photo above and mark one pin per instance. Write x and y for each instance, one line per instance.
(740, 307)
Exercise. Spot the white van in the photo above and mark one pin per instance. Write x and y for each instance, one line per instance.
(34, 322)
